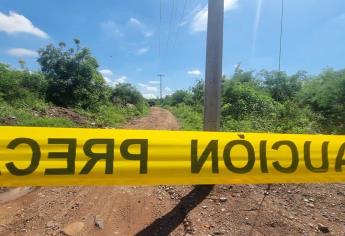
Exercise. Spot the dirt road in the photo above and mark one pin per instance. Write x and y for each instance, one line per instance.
(120, 210)
(177, 210)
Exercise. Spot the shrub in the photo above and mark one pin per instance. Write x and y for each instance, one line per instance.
(73, 78)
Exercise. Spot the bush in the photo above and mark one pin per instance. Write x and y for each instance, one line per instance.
(73, 77)
(187, 117)
(126, 95)
(18, 85)
(23, 116)
(325, 94)
(240, 100)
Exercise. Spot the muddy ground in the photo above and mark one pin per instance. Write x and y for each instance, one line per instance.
(313, 209)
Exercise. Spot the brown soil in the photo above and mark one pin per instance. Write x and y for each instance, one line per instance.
(178, 210)
(61, 112)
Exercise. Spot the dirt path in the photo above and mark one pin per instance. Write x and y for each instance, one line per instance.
(295, 209)
(121, 210)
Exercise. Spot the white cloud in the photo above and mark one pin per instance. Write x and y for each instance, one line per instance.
(142, 50)
(134, 22)
(121, 80)
(15, 23)
(155, 82)
(107, 79)
(199, 21)
(230, 5)
(111, 29)
(149, 95)
(108, 76)
(167, 91)
(106, 72)
(194, 72)
(148, 88)
(22, 52)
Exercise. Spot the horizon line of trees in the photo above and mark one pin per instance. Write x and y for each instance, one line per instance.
(268, 101)
(273, 101)
(68, 77)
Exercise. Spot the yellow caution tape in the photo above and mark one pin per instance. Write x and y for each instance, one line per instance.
(65, 156)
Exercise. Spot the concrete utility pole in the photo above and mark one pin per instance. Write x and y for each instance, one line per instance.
(160, 85)
(213, 72)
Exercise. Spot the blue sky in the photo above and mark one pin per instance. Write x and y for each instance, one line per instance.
(131, 45)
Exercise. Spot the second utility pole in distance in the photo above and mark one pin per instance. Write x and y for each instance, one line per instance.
(160, 86)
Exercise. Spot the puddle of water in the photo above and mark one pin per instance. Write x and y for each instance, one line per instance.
(14, 193)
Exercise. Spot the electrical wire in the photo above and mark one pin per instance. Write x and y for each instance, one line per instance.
(179, 22)
(266, 192)
(281, 34)
(159, 30)
(172, 13)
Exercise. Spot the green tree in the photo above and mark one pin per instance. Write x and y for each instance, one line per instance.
(198, 92)
(73, 78)
(325, 94)
(21, 84)
(281, 86)
(240, 100)
(125, 94)
(181, 96)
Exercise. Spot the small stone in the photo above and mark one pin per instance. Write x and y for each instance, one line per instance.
(218, 233)
(73, 229)
(50, 224)
(204, 207)
(223, 199)
(311, 205)
(323, 228)
(99, 222)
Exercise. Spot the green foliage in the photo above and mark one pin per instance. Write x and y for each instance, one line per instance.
(243, 99)
(16, 85)
(127, 95)
(187, 116)
(325, 94)
(198, 92)
(271, 102)
(23, 116)
(109, 116)
(73, 78)
(178, 97)
(23, 93)
(281, 86)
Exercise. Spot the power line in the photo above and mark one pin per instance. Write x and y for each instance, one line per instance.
(172, 11)
(159, 29)
(281, 33)
(178, 27)
(266, 192)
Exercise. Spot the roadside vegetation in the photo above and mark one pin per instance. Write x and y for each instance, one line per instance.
(270, 101)
(68, 79)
